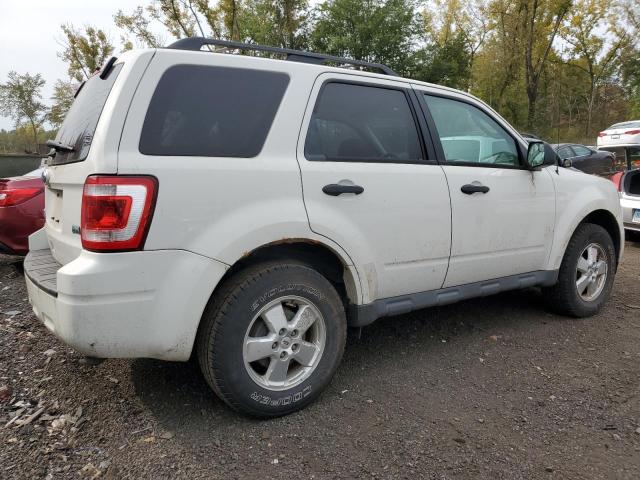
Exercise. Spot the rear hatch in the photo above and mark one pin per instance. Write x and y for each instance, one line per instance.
(630, 183)
(86, 144)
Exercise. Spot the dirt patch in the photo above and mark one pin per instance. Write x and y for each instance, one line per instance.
(490, 388)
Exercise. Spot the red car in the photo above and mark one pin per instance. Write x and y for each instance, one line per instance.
(21, 211)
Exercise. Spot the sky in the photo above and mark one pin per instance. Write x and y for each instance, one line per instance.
(30, 35)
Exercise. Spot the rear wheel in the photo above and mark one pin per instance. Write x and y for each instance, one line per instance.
(271, 338)
(586, 275)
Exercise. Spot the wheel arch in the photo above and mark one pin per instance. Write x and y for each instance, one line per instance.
(608, 221)
(332, 264)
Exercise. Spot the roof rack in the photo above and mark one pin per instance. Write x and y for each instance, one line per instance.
(196, 44)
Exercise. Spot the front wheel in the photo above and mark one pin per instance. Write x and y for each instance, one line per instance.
(586, 275)
(272, 338)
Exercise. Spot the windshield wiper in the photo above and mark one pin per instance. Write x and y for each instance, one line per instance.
(60, 147)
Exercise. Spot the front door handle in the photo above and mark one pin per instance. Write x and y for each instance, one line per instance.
(472, 188)
(335, 189)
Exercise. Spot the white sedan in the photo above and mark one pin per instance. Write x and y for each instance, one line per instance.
(619, 134)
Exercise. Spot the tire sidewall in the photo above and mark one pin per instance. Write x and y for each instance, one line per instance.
(598, 235)
(229, 340)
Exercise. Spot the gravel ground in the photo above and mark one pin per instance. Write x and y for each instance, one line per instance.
(494, 388)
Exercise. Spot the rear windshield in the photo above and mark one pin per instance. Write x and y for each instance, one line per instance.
(211, 111)
(80, 123)
(624, 125)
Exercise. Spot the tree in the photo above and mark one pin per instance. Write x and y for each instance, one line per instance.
(541, 21)
(136, 24)
(20, 100)
(629, 59)
(452, 21)
(447, 62)
(273, 22)
(85, 52)
(370, 30)
(62, 97)
(281, 23)
(586, 32)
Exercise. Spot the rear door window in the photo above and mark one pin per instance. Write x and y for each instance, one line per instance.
(211, 111)
(81, 121)
(362, 123)
(565, 152)
(581, 151)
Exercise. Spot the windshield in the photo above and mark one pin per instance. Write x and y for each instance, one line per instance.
(634, 124)
(80, 123)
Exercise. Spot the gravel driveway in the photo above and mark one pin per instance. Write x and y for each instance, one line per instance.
(490, 388)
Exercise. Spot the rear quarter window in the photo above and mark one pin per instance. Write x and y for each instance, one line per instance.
(211, 111)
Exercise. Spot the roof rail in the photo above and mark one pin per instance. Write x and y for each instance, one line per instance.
(196, 44)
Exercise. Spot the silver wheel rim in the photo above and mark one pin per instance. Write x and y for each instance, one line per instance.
(591, 272)
(284, 343)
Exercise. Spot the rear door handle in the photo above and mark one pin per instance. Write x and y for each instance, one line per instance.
(471, 188)
(335, 189)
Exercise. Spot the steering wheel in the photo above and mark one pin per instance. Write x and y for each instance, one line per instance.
(499, 157)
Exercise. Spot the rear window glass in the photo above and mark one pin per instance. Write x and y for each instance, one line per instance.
(211, 111)
(81, 121)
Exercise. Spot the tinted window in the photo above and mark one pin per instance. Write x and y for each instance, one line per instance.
(565, 152)
(580, 150)
(469, 135)
(211, 111)
(362, 123)
(81, 121)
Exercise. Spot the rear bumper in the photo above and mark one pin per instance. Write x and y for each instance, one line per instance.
(123, 305)
(628, 205)
(18, 222)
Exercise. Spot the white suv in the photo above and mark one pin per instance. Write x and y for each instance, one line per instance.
(249, 209)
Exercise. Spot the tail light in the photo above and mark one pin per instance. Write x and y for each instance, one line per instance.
(616, 178)
(602, 134)
(632, 132)
(15, 196)
(116, 212)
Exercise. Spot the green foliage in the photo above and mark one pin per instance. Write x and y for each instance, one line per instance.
(136, 25)
(370, 30)
(62, 99)
(447, 63)
(630, 71)
(280, 23)
(84, 52)
(563, 69)
(20, 100)
(20, 140)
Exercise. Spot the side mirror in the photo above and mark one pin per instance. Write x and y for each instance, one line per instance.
(567, 163)
(541, 154)
(535, 154)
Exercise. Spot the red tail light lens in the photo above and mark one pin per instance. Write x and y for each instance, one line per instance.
(116, 212)
(632, 132)
(602, 134)
(616, 178)
(15, 196)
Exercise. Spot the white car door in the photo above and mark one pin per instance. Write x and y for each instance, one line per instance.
(503, 214)
(372, 185)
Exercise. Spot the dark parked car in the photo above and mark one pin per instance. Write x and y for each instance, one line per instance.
(21, 211)
(586, 159)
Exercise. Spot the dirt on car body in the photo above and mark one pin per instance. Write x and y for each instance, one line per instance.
(489, 388)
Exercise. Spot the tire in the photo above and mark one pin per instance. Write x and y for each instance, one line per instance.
(246, 313)
(564, 297)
